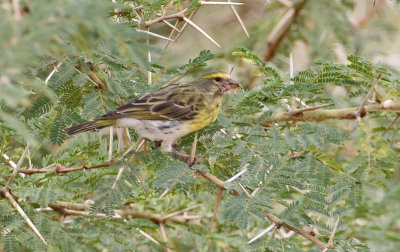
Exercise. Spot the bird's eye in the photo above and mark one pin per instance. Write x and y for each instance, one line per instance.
(218, 79)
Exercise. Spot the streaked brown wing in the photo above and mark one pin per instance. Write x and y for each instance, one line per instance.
(173, 102)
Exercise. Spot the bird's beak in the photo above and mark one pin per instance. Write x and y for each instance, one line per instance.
(231, 84)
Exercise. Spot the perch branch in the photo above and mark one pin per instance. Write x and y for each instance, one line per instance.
(341, 114)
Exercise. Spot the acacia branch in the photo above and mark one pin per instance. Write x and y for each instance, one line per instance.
(360, 23)
(281, 29)
(5, 193)
(278, 222)
(80, 209)
(338, 114)
(16, 169)
(161, 19)
(62, 169)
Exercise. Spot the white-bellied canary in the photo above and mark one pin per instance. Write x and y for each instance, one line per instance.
(170, 112)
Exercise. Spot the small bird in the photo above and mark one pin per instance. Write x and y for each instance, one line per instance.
(169, 113)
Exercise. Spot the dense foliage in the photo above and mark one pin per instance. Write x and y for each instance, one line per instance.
(66, 62)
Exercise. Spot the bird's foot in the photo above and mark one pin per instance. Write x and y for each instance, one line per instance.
(190, 162)
(157, 144)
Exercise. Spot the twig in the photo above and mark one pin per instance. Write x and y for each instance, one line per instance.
(278, 222)
(163, 219)
(148, 236)
(171, 25)
(244, 190)
(237, 175)
(194, 146)
(17, 9)
(291, 76)
(190, 22)
(296, 112)
(178, 16)
(19, 164)
(281, 29)
(52, 72)
(219, 197)
(360, 23)
(110, 147)
(262, 233)
(330, 242)
(149, 73)
(172, 34)
(79, 209)
(119, 175)
(239, 19)
(155, 35)
(182, 29)
(216, 181)
(163, 235)
(299, 231)
(62, 169)
(5, 192)
(370, 91)
(287, 3)
(391, 125)
(220, 3)
(164, 193)
(12, 164)
(139, 143)
(341, 114)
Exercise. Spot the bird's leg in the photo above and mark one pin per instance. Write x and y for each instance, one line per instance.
(167, 146)
(187, 156)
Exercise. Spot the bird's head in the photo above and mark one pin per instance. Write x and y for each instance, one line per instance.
(218, 83)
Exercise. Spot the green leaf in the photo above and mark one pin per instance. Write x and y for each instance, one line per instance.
(61, 76)
(57, 134)
(199, 61)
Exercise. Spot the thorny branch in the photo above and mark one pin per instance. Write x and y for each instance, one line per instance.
(281, 29)
(340, 114)
(81, 209)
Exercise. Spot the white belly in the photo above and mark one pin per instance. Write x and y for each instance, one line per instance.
(155, 130)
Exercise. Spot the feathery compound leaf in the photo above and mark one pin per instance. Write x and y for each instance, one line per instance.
(174, 173)
(10, 243)
(361, 66)
(329, 75)
(250, 57)
(61, 76)
(291, 209)
(235, 210)
(72, 118)
(79, 80)
(304, 77)
(197, 62)
(41, 106)
(57, 134)
(317, 197)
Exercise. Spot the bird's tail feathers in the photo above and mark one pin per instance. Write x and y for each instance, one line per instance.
(92, 125)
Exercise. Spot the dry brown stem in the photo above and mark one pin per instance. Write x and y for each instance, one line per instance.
(281, 29)
(338, 114)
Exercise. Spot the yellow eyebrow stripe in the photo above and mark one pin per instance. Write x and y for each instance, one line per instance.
(214, 75)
